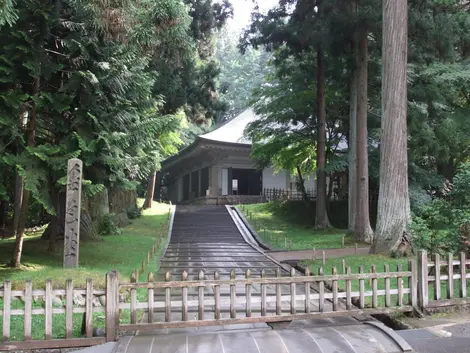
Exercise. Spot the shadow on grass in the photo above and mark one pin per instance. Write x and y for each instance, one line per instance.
(123, 252)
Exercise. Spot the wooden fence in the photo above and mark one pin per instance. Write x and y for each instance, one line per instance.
(204, 299)
(209, 300)
(49, 308)
(283, 194)
(443, 280)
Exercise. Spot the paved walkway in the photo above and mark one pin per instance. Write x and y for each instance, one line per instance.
(207, 239)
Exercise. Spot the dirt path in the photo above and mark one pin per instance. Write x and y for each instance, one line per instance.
(297, 255)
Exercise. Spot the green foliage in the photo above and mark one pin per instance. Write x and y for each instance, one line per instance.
(108, 225)
(134, 212)
(100, 82)
(240, 73)
(443, 225)
(8, 14)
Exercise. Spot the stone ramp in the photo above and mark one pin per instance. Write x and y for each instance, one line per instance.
(207, 239)
(316, 336)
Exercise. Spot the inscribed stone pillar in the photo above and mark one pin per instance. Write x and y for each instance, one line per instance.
(72, 213)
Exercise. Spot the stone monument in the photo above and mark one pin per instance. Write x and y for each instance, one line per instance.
(72, 213)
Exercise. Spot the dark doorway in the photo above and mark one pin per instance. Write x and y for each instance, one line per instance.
(194, 184)
(248, 182)
(204, 181)
(186, 187)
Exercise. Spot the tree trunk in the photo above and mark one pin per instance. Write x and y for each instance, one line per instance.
(363, 230)
(19, 181)
(88, 229)
(352, 184)
(321, 217)
(150, 190)
(26, 193)
(302, 187)
(329, 193)
(393, 214)
(54, 218)
(93, 208)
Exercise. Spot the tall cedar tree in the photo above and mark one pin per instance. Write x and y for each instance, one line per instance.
(394, 212)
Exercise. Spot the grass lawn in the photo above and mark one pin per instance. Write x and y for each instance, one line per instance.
(124, 252)
(367, 261)
(279, 225)
(379, 261)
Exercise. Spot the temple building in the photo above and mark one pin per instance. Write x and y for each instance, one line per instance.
(217, 169)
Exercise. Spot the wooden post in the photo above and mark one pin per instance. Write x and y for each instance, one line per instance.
(355, 249)
(48, 310)
(321, 292)
(450, 273)
(201, 278)
(184, 299)
(324, 257)
(278, 294)
(292, 293)
(463, 275)
(6, 310)
(348, 290)
(413, 283)
(72, 213)
(307, 291)
(248, 294)
(112, 306)
(133, 308)
(334, 272)
(233, 312)
(387, 287)
(150, 299)
(89, 308)
(28, 309)
(342, 241)
(362, 299)
(375, 301)
(400, 286)
(343, 266)
(423, 279)
(168, 298)
(437, 282)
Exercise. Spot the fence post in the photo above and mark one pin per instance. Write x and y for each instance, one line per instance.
(412, 284)
(112, 306)
(423, 279)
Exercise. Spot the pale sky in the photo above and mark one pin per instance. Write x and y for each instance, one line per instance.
(242, 11)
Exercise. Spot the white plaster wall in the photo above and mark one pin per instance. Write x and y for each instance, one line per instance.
(279, 180)
(311, 183)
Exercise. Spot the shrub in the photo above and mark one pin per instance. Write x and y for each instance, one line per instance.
(108, 225)
(134, 212)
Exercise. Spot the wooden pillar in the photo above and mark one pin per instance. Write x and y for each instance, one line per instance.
(199, 194)
(229, 181)
(190, 185)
